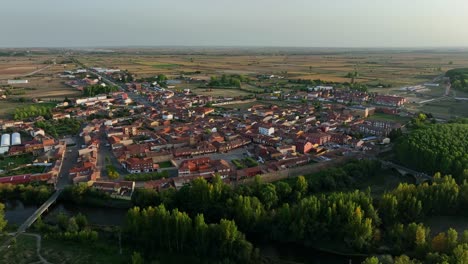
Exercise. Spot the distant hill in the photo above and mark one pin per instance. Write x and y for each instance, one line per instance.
(458, 78)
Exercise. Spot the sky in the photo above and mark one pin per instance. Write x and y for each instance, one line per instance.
(288, 23)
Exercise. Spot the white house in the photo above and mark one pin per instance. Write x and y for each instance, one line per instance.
(37, 131)
(267, 131)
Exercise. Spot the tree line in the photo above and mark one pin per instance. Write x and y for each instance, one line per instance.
(93, 90)
(27, 194)
(227, 81)
(436, 148)
(155, 228)
(410, 202)
(32, 111)
(458, 78)
(291, 211)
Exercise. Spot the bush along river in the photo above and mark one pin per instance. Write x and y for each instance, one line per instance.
(16, 213)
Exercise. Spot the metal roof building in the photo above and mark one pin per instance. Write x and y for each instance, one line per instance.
(15, 139)
(5, 140)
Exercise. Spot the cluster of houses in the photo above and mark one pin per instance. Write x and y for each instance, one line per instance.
(199, 140)
(46, 151)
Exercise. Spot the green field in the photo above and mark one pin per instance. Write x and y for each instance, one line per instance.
(56, 251)
(447, 108)
(164, 66)
(21, 252)
(165, 164)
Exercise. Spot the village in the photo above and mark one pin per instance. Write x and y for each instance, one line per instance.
(144, 135)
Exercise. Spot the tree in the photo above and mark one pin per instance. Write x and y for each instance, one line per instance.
(405, 260)
(62, 220)
(439, 243)
(81, 220)
(283, 190)
(72, 226)
(371, 260)
(112, 172)
(301, 185)
(460, 254)
(268, 195)
(137, 258)
(3, 222)
(452, 239)
(420, 238)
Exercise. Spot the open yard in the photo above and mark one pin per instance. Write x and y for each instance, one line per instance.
(15, 161)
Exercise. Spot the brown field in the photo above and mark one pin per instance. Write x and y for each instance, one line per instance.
(397, 68)
(44, 84)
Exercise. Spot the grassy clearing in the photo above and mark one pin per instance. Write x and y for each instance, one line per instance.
(23, 251)
(165, 66)
(165, 164)
(447, 108)
(56, 251)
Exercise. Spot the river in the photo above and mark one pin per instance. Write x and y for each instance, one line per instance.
(17, 213)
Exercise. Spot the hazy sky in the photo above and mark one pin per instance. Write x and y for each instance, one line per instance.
(303, 23)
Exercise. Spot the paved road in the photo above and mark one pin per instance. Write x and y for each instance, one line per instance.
(106, 151)
(135, 97)
(69, 161)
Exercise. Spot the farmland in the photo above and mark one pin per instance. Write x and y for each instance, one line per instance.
(43, 81)
(374, 67)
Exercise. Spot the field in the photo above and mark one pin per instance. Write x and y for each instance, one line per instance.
(398, 67)
(43, 80)
(22, 252)
(74, 253)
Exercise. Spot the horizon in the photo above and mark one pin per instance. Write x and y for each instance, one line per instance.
(208, 23)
